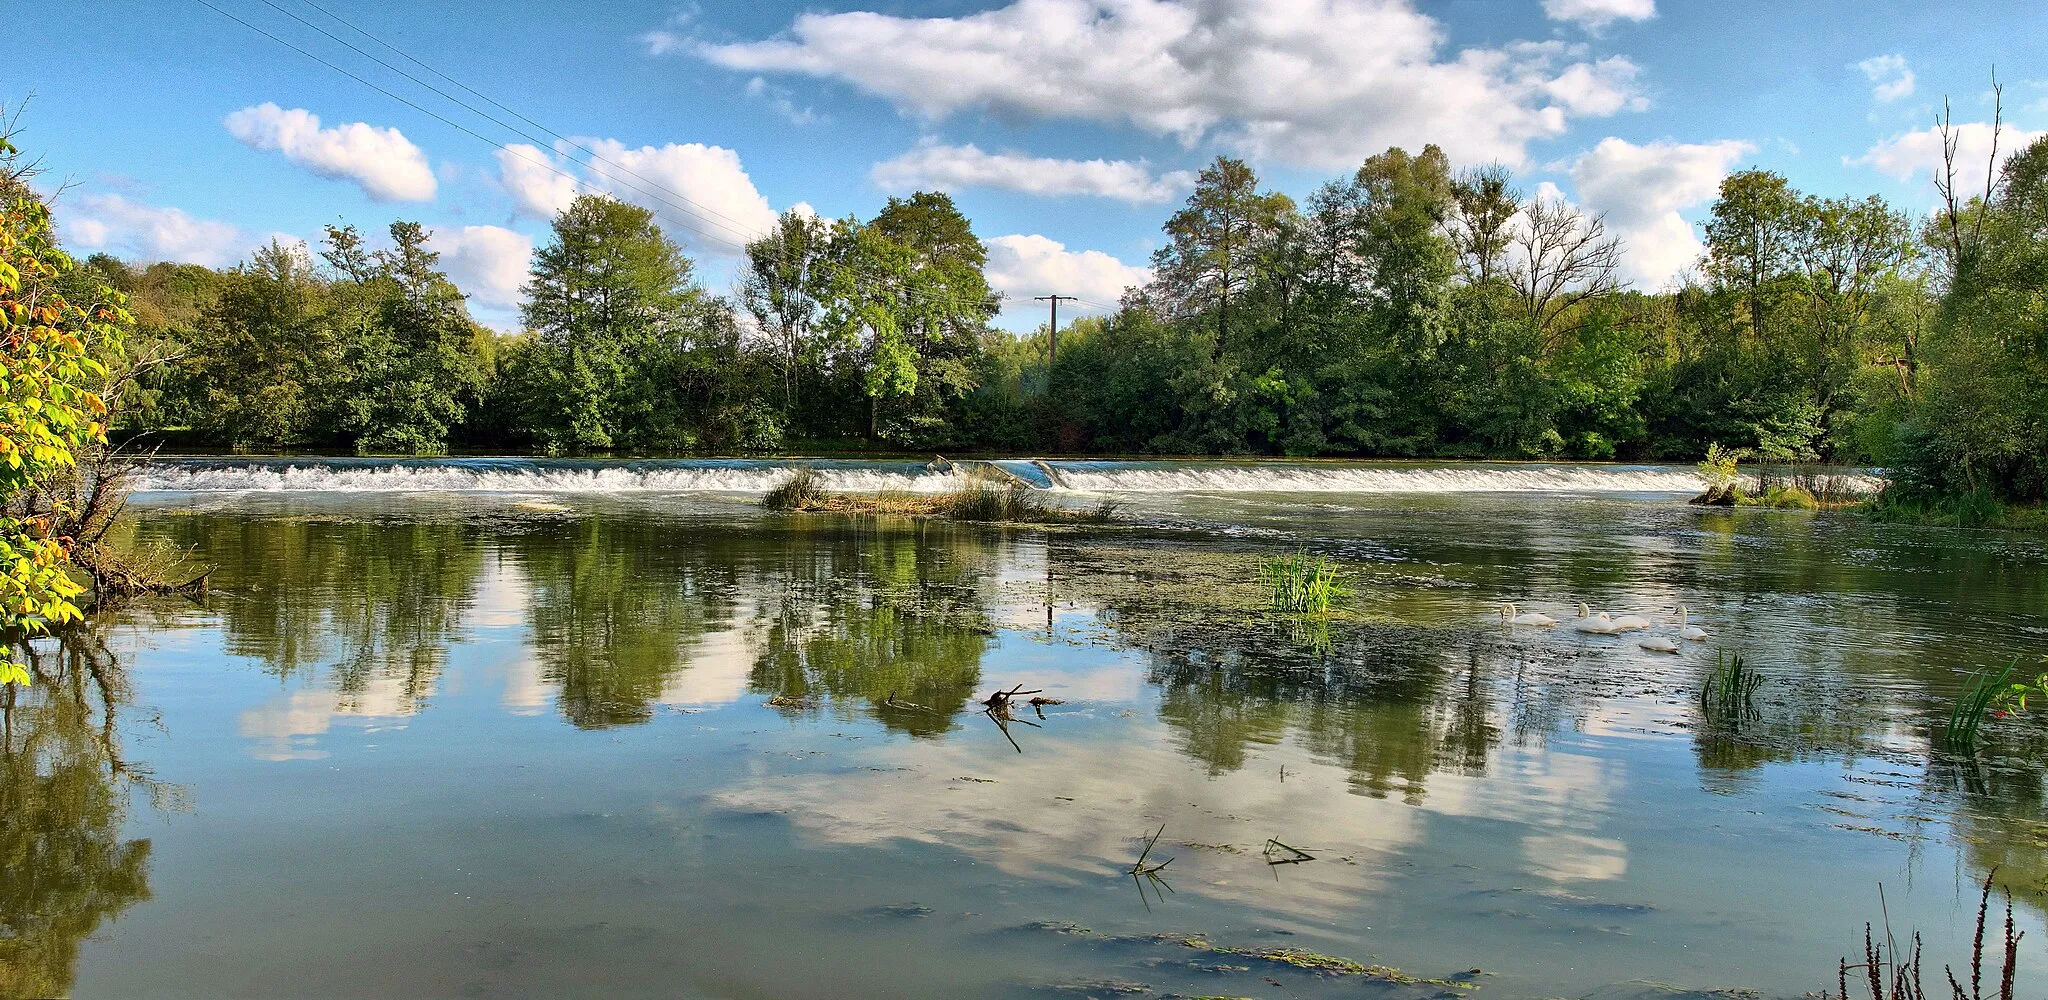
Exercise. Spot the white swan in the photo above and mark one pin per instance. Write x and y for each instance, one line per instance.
(1688, 630)
(1511, 614)
(1592, 624)
(1631, 623)
(1657, 644)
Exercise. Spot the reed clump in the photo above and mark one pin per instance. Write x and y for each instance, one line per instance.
(982, 500)
(802, 489)
(1302, 584)
(1966, 717)
(1729, 691)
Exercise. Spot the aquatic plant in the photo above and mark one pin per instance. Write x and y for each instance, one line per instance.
(1888, 972)
(1966, 716)
(1302, 584)
(1729, 691)
(1717, 469)
(802, 489)
(980, 500)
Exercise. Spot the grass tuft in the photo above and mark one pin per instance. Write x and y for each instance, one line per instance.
(1302, 584)
(801, 490)
(1966, 716)
(1729, 692)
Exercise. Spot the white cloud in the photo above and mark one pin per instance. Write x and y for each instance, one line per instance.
(779, 99)
(1641, 190)
(383, 162)
(487, 262)
(1594, 15)
(1909, 153)
(538, 181)
(1598, 89)
(932, 165)
(132, 230)
(1022, 266)
(1321, 83)
(1890, 77)
(702, 193)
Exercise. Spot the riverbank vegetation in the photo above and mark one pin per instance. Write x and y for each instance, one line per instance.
(979, 500)
(1407, 308)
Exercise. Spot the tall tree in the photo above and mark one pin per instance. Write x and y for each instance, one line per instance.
(1750, 238)
(1483, 223)
(780, 290)
(1215, 241)
(606, 300)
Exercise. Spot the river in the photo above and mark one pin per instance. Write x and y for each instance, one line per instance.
(493, 727)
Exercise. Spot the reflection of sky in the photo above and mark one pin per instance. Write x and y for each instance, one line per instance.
(287, 726)
(1604, 800)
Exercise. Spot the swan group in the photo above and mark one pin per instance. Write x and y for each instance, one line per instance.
(1601, 623)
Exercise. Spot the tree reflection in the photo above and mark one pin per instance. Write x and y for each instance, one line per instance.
(64, 789)
(894, 617)
(614, 607)
(1380, 703)
(378, 603)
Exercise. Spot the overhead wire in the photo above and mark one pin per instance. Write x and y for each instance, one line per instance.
(663, 195)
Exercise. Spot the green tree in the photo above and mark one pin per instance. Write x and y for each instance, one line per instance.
(49, 409)
(1214, 244)
(607, 299)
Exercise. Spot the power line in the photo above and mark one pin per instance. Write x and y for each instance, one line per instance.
(685, 205)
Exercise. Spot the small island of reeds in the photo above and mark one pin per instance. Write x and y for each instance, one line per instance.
(981, 499)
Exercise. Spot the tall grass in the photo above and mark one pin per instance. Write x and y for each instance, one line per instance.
(1729, 692)
(1966, 716)
(980, 500)
(802, 489)
(1302, 583)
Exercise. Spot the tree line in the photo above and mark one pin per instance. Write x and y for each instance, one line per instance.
(1406, 309)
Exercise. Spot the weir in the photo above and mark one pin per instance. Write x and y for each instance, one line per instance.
(756, 476)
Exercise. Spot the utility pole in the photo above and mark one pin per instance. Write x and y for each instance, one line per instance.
(1053, 338)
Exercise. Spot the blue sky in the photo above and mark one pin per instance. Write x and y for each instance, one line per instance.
(1067, 130)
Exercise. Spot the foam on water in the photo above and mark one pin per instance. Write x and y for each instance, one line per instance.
(754, 477)
(508, 477)
(1381, 479)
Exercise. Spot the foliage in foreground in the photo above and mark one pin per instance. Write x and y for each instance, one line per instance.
(1729, 692)
(49, 409)
(1890, 972)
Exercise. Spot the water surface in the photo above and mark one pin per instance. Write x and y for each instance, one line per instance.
(498, 728)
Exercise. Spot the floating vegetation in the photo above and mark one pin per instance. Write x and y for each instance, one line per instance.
(1277, 853)
(1966, 717)
(1301, 959)
(1889, 972)
(1017, 503)
(1729, 692)
(1302, 584)
(1142, 873)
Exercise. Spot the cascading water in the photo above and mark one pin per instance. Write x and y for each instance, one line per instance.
(487, 475)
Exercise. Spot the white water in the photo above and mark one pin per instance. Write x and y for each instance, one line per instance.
(516, 477)
(1382, 479)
